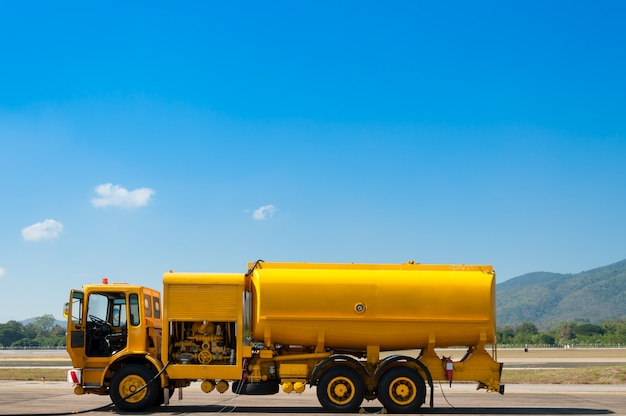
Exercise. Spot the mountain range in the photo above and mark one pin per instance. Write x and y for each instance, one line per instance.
(546, 299)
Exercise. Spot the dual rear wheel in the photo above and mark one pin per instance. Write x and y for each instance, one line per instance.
(341, 389)
(400, 390)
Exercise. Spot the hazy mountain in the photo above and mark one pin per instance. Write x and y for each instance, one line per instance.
(58, 322)
(548, 298)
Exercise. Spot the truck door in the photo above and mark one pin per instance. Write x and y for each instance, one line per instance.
(75, 338)
(106, 317)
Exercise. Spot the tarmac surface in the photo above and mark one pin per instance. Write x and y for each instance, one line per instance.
(57, 398)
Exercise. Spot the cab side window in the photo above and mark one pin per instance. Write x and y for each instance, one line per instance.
(147, 306)
(134, 309)
(119, 313)
(157, 307)
(77, 308)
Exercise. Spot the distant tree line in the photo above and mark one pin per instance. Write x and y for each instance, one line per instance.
(566, 333)
(42, 332)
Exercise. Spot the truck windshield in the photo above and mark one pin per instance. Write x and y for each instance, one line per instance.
(98, 307)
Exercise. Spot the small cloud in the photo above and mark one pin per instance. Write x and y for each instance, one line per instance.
(264, 212)
(3, 271)
(42, 230)
(117, 196)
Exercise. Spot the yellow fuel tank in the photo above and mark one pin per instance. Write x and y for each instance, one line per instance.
(352, 306)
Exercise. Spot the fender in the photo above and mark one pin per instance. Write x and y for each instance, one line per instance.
(336, 358)
(134, 357)
(393, 359)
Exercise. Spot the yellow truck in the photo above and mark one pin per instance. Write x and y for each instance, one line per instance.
(353, 331)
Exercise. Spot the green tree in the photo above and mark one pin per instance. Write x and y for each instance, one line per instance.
(544, 339)
(26, 342)
(588, 330)
(564, 332)
(505, 335)
(41, 332)
(44, 325)
(11, 332)
(620, 328)
(525, 333)
(527, 328)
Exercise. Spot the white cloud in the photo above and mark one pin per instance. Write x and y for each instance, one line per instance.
(264, 212)
(42, 230)
(115, 195)
(3, 271)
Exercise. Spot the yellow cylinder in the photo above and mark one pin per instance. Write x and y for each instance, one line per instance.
(287, 387)
(298, 387)
(222, 386)
(352, 306)
(207, 386)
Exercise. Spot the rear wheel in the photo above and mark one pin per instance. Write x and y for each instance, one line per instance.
(341, 389)
(127, 392)
(401, 390)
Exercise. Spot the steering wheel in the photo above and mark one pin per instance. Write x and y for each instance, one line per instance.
(99, 321)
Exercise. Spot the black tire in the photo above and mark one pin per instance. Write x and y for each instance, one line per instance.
(255, 389)
(130, 379)
(401, 390)
(341, 389)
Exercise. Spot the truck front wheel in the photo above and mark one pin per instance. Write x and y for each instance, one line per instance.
(126, 388)
(341, 389)
(401, 390)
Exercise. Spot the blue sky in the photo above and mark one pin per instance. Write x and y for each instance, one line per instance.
(138, 138)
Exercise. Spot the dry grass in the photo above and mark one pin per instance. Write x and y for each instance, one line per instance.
(582, 375)
(562, 353)
(26, 374)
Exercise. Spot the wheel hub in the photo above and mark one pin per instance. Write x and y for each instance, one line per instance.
(403, 390)
(341, 390)
(130, 385)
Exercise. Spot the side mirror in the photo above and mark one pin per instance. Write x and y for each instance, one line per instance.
(66, 310)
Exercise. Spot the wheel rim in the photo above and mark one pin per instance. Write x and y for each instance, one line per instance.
(402, 391)
(130, 385)
(341, 390)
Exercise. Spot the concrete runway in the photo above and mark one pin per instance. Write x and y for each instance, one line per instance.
(56, 398)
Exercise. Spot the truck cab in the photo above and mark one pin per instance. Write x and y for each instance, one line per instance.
(108, 326)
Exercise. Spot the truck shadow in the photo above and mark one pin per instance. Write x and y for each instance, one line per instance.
(377, 411)
(517, 411)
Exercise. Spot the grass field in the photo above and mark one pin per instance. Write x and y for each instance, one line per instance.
(584, 374)
(581, 375)
(589, 354)
(25, 374)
